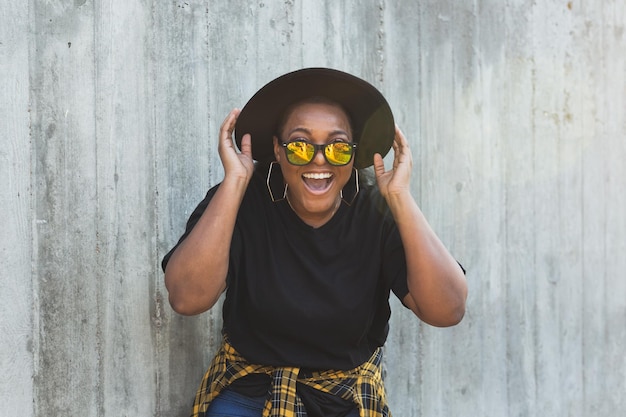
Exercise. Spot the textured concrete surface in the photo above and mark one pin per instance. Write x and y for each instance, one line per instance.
(515, 110)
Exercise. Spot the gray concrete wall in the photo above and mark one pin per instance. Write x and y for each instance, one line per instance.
(515, 111)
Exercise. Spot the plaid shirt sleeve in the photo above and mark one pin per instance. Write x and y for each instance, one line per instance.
(363, 385)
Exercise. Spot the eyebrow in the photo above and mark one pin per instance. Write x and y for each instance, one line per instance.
(308, 131)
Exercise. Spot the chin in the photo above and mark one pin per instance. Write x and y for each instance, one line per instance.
(320, 204)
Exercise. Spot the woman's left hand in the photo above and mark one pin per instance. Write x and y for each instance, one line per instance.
(396, 180)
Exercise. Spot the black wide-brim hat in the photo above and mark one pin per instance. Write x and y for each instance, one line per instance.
(372, 121)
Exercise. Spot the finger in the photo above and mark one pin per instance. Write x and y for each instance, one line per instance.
(226, 142)
(401, 147)
(400, 138)
(397, 151)
(379, 165)
(246, 145)
(228, 125)
(231, 118)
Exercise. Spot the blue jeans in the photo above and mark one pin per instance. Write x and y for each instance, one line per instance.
(232, 404)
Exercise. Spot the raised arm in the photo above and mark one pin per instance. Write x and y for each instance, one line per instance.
(437, 285)
(195, 275)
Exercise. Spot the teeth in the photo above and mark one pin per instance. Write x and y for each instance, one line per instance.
(318, 176)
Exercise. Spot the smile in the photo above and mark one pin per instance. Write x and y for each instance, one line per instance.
(317, 176)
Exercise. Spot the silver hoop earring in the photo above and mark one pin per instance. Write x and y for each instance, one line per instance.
(349, 193)
(272, 183)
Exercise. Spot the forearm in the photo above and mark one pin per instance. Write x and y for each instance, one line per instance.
(195, 275)
(437, 285)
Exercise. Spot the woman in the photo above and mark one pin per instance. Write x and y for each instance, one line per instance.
(308, 252)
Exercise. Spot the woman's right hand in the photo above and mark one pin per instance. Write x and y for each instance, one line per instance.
(236, 164)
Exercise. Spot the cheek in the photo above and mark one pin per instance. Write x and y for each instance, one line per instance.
(288, 171)
(346, 175)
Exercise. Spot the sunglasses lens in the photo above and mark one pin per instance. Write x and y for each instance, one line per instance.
(300, 152)
(339, 153)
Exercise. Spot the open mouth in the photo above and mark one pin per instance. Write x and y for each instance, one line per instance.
(318, 181)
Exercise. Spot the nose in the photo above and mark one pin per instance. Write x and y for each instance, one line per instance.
(319, 157)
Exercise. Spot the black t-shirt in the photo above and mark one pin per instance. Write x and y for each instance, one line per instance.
(315, 298)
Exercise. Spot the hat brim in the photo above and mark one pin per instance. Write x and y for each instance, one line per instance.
(372, 120)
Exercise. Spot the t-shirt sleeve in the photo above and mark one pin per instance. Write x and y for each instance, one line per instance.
(191, 222)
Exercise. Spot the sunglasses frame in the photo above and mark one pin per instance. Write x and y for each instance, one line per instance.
(317, 148)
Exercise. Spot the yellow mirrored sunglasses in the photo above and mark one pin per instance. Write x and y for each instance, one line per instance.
(301, 152)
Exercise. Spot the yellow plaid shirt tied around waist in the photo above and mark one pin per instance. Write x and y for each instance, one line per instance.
(362, 385)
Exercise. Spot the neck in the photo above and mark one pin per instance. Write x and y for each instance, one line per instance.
(315, 220)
